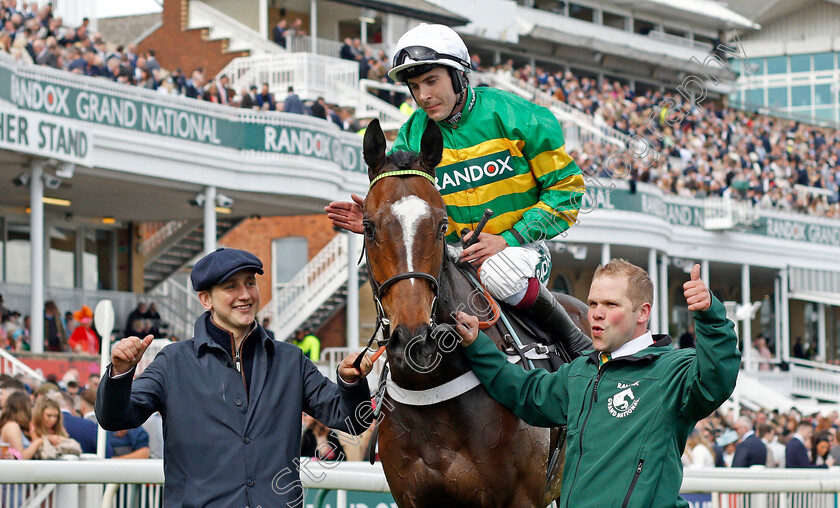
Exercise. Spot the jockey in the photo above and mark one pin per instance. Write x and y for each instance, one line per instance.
(500, 152)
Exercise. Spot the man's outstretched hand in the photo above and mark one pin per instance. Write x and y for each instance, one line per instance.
(127, 353)
(347, 215)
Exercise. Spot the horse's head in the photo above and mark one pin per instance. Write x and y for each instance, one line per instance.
(405, 225)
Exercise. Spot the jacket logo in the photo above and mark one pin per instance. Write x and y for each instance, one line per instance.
(622, 403)
(471, 174)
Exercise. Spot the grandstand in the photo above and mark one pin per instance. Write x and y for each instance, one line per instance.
(707, 131)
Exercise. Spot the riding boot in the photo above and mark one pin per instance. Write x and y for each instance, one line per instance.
(547, 312)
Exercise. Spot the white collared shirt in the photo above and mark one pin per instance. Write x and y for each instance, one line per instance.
(632, 347)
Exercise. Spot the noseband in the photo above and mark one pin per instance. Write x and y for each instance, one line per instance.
(379, 289)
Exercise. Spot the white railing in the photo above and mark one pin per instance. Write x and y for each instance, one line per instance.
(64, 483)
(242, 37)
(331, 357)
(178, 306)
(681, 41)
(367, 104)
(821, 382)
(318, 280)
(721, 213)
(303, 44)
(809, 280)
(12, 366)
(311, 75)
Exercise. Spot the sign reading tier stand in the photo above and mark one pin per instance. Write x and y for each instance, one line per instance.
(44, 135)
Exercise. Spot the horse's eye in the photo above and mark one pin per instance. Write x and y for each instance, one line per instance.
(369, 231)
(443, 227)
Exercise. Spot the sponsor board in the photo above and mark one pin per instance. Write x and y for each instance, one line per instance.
(44, 135)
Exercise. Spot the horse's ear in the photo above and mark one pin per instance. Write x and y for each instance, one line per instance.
(431, 146)
(374, 148)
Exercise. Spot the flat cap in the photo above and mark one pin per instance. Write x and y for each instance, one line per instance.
(219, 265)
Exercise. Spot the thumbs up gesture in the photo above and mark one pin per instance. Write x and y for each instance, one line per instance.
(696, 293)
(128, 352)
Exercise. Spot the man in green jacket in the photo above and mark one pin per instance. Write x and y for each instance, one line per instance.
(501, 152)
(629, 404)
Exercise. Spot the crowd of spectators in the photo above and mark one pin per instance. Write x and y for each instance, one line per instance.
(73, 331)
(55, 418)
(713, 150)
(764, 438)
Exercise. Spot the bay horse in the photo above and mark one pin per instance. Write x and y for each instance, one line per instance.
(440, 448)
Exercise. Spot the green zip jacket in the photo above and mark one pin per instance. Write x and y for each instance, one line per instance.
(507, 154)
(628, 420)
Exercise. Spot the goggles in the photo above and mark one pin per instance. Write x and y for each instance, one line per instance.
(424, 54)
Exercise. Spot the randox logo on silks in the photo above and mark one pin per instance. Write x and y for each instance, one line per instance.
(479, 171)
(624, 402)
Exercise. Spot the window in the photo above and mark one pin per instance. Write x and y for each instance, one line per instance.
(98, 260)
(62, 258)
(824, 113)
(755, 97)
(581, 12)
(800, 95)
(643, 27)
(777, 65)
(777, 97)
(800, 63)
(822, 94)
(289, 255)
(755, 68)
(824, 62)
(17, 254)
(614, 20)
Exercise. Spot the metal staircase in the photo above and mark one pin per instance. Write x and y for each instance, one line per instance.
(318, 291)
(173, 246)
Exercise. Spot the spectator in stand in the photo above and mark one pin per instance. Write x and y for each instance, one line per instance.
(767, 434)
(265, 99)
(763, 352)
(193, 89)
(319, 109)
(136, 315)
(152, 316)
(225, 93)
(249, 98)
(278, 35)
(319, 442)
(687, 339)
(293, 104)
(15, 424)
(154, 428)
(728, 442)
(698, 451)
(146, 80)
(92, 382)
(47, 421)
(796, 452)
(87, 404)
(8, 386)
(83, 431)
(750, 450)
(309, 344)
(129, 444)
(55, 338)
(84, 340)
(347, 51)
(820, 449)
(3, 310)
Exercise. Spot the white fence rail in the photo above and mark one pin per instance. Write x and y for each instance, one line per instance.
(12, 366)
(303, 44)
(817, 383)
(241, 37)
(319, 279)
(311, 75)
(178, 306)
(75, 484)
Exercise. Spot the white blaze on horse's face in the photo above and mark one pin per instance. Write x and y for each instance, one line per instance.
(410, 210)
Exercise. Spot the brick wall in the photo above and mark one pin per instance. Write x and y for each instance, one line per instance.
(178, 47)
(255, 235)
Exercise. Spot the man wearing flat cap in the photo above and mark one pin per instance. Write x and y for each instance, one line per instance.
(230, 398)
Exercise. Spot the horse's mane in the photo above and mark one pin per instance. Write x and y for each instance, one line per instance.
(403, 159)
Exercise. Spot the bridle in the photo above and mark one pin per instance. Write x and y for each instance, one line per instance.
(379, 289)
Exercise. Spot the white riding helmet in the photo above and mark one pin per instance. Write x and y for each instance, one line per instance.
(426, 46)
